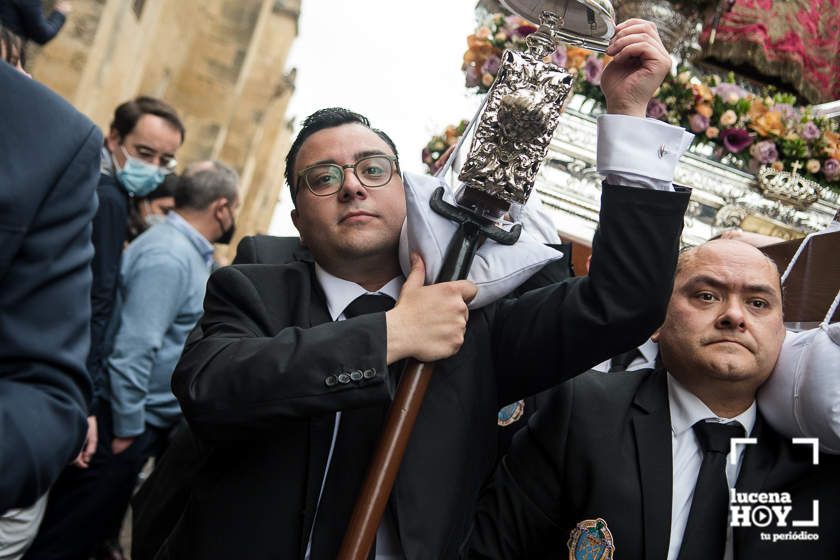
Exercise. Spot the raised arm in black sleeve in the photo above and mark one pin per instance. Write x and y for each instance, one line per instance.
(31, 23)
(554, 333)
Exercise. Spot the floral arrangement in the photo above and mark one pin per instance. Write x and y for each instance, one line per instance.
(742, 128)
(750, 130)
(497, 32)
(439, 144)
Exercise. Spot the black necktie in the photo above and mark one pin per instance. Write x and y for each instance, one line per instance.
(622, 361)
(358, 434)
(368, 303)
(705, 532)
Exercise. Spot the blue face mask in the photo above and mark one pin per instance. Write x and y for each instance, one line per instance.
(138, 177)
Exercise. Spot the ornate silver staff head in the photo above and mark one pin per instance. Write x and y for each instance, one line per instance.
(524, 103)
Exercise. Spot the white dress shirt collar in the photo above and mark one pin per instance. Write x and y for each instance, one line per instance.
(649, 351)
(687, 409)
(340, 292)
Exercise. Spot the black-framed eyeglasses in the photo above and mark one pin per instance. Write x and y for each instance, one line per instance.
(325, 179)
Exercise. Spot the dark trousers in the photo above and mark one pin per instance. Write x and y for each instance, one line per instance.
(86, 504)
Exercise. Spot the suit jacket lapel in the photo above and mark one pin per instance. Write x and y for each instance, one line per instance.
(652, 428)
(320, 428)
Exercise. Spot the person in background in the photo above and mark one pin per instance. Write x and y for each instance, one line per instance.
(135, 157)
(144, 213)
(138, 153)
(151, 209)
(160, 296)
(11, 50)
(26, 19)
(49, 158)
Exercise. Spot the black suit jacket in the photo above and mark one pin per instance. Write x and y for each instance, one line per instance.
(255, 386)
(49, 164)
(601, 447)
(161, 500)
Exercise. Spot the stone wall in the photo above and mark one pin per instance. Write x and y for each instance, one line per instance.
(219, 62)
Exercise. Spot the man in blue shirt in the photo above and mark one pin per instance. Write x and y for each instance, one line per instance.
(159, 300)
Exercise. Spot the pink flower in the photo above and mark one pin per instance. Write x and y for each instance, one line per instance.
(558, 57)
(736, 140)
(698, 123)
(491, 65)
(788, 111)
(656, 109)
(810, 131)
(831, 169)
(524, 30)
(512, 22)
(730, 92)
(765, 151)
(593, 69)
(473, 76)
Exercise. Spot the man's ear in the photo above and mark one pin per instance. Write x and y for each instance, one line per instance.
(112, 141)
(295, 217)
(655, 336)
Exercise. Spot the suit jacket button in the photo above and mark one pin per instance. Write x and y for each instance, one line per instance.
(369, 373)
(330, 381)
(356, 375)
(343, 378)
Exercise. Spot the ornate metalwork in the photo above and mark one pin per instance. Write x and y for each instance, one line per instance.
(511, 139)
(788, 187)
(677, 28)
(570, 191)
(730, 216)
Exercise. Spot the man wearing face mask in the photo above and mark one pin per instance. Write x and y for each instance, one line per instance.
(160, 295)
(138, 153)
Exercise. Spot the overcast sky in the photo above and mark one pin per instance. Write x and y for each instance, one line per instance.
(396, 62)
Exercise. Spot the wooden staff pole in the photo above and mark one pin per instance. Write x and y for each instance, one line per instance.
(382, 471)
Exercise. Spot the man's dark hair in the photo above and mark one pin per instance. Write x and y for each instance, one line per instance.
(12, 48)
(203, 182)
(328, 118)
(166, 188)
(127, 115)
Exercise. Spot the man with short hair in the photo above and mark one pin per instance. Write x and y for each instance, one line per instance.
(159, 300)
(135, 157)
(647, 456)
(290, 380)
(138, 153)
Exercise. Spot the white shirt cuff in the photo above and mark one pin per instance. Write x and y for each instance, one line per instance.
(639, 152)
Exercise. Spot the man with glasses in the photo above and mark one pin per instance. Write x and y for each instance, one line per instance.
(137, 154)
(290, 380)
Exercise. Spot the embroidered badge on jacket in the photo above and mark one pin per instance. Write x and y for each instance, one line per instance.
(591, 540)
(511, 413)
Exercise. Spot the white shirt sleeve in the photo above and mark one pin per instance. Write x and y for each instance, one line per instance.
(639, 152)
